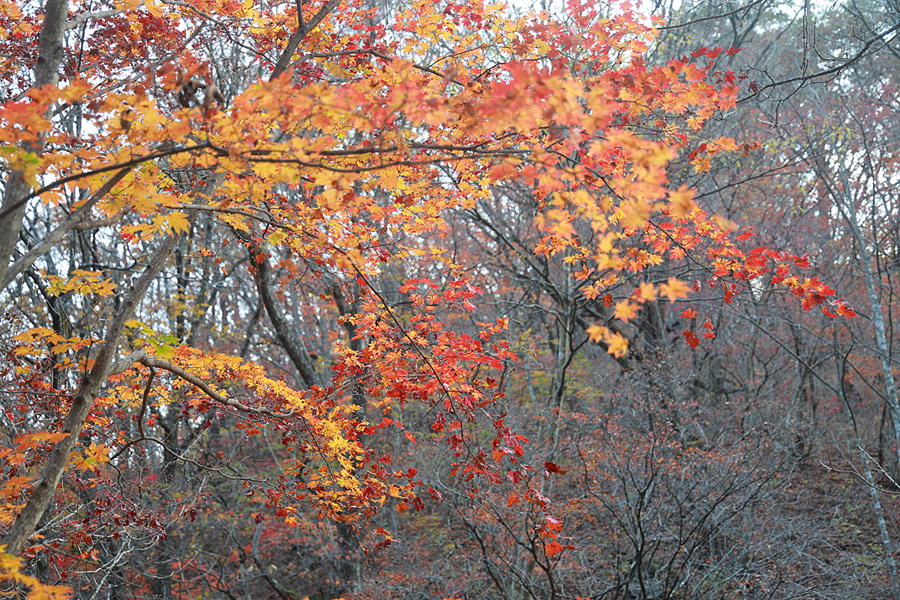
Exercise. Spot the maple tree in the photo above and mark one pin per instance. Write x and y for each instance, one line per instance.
(179, 170)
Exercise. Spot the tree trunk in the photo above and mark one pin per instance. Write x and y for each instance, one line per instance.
(46, 72)
(104, 366)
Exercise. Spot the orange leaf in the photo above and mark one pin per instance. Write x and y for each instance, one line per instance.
(646, 293)
(625, 310)
(674, 289)
(681, 202)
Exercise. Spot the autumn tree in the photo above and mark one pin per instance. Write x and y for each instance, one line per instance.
(223, 232)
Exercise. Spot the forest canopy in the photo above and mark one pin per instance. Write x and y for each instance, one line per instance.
(372, 299)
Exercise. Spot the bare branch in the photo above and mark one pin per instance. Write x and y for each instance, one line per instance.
(723, 15)
(122, 365)
(101, 14)
(828, 73)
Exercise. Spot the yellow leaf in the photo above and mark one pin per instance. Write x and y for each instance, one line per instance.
(277, 237)
(81, 282)
(724, 224)
(646, 293)
(625, 310)
(597, 333)
(723, 143)
(236, 221)
(674, 289)
(702, 165)
(178, 223)
(681, 202)
(634, 213)
(12, 10)
(618, 345)
(153, 8)
(76, 89)
(93, 457)
(9, 571)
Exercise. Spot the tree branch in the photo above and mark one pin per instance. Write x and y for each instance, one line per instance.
(129, 164)
(206, 389)
(46, 72)
(302, 30)
(83, 401)
(802, 79)
(284, 330)
(695, 21)
(73, 221)
(102, 14)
